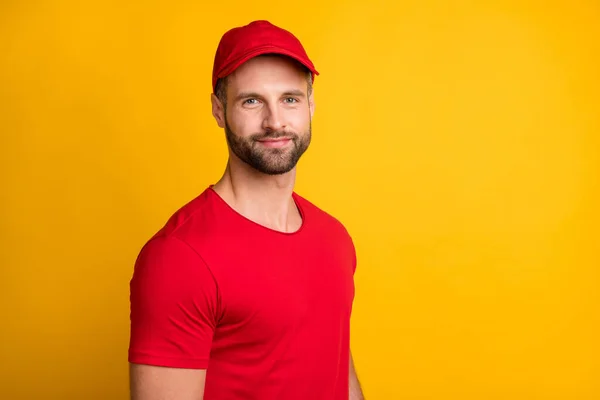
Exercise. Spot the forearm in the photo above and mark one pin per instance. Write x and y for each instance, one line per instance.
(354, 384)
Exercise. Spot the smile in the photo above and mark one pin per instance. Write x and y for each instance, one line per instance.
(279, 142)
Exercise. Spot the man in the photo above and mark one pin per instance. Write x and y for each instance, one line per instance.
(246, 292)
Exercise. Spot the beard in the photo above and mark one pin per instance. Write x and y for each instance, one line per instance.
(270, 161)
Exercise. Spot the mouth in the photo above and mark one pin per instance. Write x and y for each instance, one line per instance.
(276, 142)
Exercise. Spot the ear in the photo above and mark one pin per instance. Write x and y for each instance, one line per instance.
(218, 110)
(311, 103)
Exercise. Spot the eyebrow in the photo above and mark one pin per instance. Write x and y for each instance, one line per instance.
(295, 92)
(247, 95)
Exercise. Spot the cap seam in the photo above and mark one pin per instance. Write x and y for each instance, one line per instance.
(255, 51)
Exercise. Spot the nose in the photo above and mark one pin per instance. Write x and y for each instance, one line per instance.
(273, 119)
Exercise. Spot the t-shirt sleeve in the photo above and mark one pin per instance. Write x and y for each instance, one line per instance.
(173, 306)
(353, 255)
(354, 260)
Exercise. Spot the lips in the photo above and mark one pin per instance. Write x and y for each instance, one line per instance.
(275, 142)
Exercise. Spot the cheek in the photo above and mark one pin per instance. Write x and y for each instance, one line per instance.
(244, 123)
(300, 119)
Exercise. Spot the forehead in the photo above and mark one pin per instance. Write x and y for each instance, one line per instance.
(268, 71)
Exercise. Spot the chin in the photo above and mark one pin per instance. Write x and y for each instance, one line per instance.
(276, 171)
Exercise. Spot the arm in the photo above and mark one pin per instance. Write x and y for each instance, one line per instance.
(148, 382)
(173, 300)
(355, 389)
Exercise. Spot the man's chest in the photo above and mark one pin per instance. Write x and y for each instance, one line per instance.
(267, 288)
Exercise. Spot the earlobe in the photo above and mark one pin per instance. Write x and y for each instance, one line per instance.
(217, 110)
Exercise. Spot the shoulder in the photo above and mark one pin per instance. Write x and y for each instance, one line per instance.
(318, 216)
(330, 229)
(189, 225)
(172, 257)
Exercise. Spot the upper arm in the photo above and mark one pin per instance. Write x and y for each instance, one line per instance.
(354, 384)
(149, 382)
(173, 308)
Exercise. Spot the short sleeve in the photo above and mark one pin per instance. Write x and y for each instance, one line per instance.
(353, 254)
(173, 306)
(354, 259)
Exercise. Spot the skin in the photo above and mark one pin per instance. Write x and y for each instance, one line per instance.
(267, 120)
(273, 111)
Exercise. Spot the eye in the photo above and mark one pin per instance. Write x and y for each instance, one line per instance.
(290, 100)
(251, 101)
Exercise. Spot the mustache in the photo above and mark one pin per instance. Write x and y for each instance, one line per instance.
(274, 135)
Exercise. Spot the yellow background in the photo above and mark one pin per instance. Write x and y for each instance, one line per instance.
(457, 140)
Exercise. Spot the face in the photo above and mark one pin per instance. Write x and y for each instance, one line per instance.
(267, 118)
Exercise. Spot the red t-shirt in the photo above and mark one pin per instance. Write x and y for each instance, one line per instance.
(266, 313)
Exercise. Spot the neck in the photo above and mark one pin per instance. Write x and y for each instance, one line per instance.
(264, 199)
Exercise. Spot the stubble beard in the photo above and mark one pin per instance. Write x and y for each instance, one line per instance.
(269, 161)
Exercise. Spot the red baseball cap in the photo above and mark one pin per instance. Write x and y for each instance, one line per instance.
(240, 44)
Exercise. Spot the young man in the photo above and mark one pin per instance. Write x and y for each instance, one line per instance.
(246, 292)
